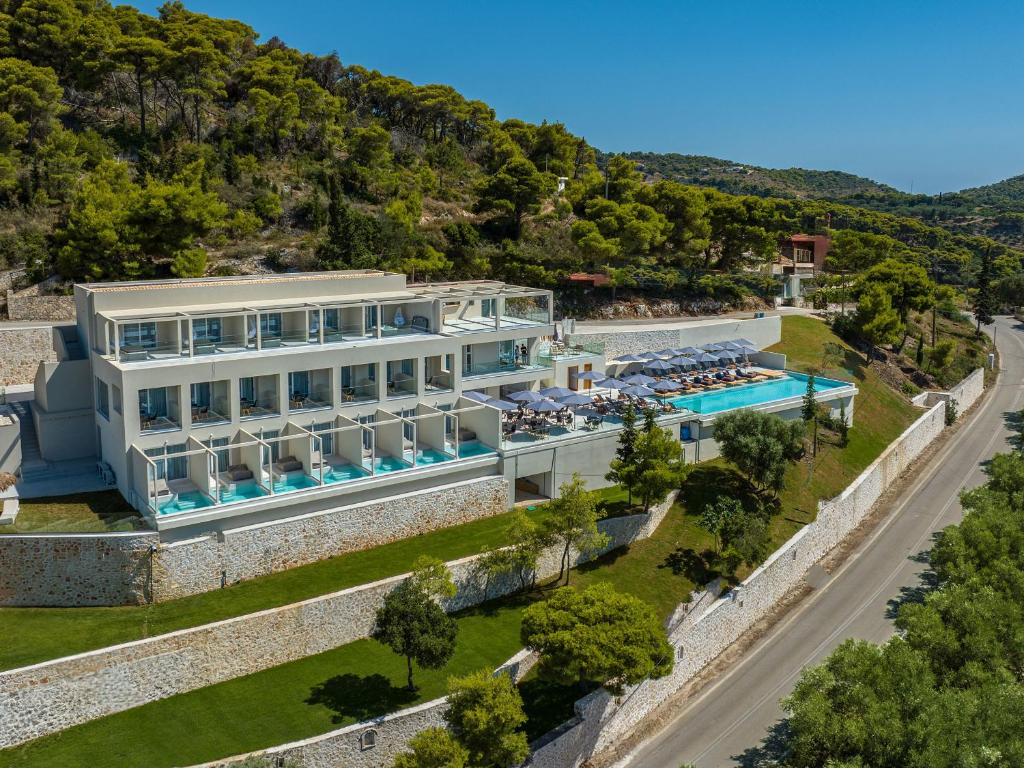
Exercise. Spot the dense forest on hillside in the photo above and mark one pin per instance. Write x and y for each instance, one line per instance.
(135, 146)
(995, 210)
(742, 179)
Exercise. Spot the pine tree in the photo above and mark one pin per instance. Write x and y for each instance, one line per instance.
(984, 298)
(919, 355)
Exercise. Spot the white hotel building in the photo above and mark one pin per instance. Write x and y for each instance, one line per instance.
(221, 402)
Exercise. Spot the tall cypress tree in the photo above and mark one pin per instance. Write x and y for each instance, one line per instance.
(984, 299)
(809, 412)
(621, 467)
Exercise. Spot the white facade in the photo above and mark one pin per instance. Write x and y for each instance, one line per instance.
(292, 376)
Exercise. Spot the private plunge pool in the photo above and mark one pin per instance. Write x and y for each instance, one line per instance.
(782, 388)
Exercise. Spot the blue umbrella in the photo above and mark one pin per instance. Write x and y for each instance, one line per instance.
(689, 351)
(503, 405)
(480, 397)
(713, 347)
(744, 342)
(630, 359)
(664, 386)
(613, 384)
(728, 354)
(576, 399)
(591, 376)
(683, 361)
(544, 406)
(645, 356)
(658, 365)
(730, 345)
(667, 353)
(525, 396)
(556, 392)
(704, 357)
(638, 390)
(639, 378)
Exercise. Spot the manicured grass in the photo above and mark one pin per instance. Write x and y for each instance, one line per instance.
(99, 512)
(285, 703)
(31, 635)
(880, 416)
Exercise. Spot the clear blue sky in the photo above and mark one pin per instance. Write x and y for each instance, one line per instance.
(909, 92)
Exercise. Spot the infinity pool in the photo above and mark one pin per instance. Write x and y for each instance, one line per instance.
(790, 385)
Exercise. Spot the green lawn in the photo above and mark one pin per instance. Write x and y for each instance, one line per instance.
(285, 703)
(98, 512)
(32, 635)
(37, 634)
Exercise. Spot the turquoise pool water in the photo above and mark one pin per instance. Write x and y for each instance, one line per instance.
(388, 464)
(430, 456)
(343, 472)
(790, 385)
(473, 448)
(242, 492)
(294, 483)
(186, 502)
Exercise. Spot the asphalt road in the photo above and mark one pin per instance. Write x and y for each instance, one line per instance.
(737, 719)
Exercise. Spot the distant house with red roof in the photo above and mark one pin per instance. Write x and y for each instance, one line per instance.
(802, 254)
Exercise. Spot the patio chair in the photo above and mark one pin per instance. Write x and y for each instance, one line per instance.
(420, 323)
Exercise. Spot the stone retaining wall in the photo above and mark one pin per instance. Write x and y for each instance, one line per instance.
(238, 554)
(21, 352)
(44, 308)
(54, 695)
(67, 570)
(697, 643)
(82, 570)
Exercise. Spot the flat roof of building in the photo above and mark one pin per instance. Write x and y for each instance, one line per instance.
(196, 282)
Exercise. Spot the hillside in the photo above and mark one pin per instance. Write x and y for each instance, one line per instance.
(136, 146)
(744, 179)
(994, 210)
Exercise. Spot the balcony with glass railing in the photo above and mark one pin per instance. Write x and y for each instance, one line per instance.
(309, 390)
(159, 409)
(210, 402)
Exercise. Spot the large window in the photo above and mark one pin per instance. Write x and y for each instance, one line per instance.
(207, 329)
(169, 466)
(138, 335)
(223, 453)
(102, 398)
(270, 325)
(326, 438)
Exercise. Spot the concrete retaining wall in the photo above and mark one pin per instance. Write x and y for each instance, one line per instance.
(698, 642)
(54, 695)
(627, 338)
